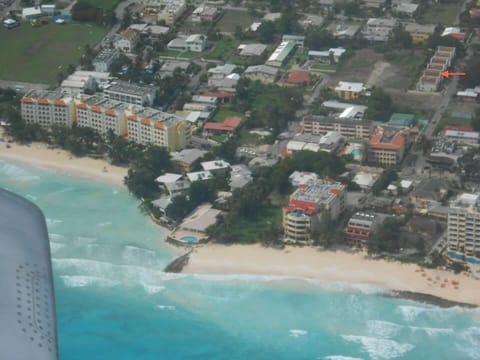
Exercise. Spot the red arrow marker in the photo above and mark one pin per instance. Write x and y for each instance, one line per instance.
(446, 74)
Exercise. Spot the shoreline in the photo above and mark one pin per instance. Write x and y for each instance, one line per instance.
(407, 281)
(61, 161)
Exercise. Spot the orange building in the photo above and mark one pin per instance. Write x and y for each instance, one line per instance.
(387, 146)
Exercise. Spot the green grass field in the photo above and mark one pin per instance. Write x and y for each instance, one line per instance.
(38, 54)
(224, 112)
(450, 120)
(233, 18)
(223, 49)
(440, 14)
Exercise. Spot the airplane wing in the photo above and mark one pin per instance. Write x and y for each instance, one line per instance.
(27, 305)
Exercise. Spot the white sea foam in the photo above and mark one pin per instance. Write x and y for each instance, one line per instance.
(56, 237)
(385, 329)
(53, 222)
(340, 357)
(410, 312)
(153, 289)
(82, 281)
(31, 197)
(378, 348)
(55, 246)
(137, 255)
(297, 332)
(105, 223)
(432, 331)
(114, 192)
(165, 307)
(471, 336)
(16, 172)
(85, 239)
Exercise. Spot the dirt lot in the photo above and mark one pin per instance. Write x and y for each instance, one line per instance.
(394, 72)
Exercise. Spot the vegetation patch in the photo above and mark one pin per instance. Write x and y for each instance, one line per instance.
(38, 54)
(440, 13)
(233, 19)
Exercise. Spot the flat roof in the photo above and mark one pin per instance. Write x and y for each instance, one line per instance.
(282, 51)
(349, 86)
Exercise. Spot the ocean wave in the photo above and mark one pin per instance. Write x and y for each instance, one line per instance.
(56, 237)
(153, 289)
(297, 332)
(470, 336)
(165, 307)
(55, 246)
(385, 329)
(17, 173)
(378, 348)
(31, 197)
(82, 281)
(52, 222)
(432, 331)
(85, 239)
(138, 255)
(340, 357)
(104, 223)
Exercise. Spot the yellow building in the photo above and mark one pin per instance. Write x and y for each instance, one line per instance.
(150, 126)
(419, 33)
(349, 90)
(47, 108)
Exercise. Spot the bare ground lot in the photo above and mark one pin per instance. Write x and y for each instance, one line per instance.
(394, 72)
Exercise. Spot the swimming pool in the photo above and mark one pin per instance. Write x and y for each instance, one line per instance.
(356, 152)
(189, 239)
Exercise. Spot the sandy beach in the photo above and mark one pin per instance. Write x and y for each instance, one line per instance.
(38, 154)
(307, 262)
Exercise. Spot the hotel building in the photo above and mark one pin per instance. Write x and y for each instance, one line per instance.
(352, 128)
(463, 229)
(360, 228)
(47, 108)
(387, 146)
(301, 216)
(151, 126)
(102, 115)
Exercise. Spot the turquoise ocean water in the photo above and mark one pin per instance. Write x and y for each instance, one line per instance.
(114, 302)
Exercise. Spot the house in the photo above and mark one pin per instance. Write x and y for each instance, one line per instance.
(378, 29)
(281, 54)
(298, 78)
(221, 71)
(222, 97)
(199, 176)
(468, 95)
(419, 33)
(405, 9)
(327, 56)
(204, 13)
(184, 159)
(343, 30)
(10, 23)
(308, 20)
(195, 43)
(149, 30)
(193, 229)
(349, 90)
(240, 176)
(387, 146)
(263, 73)
(229, 125)
(228, 83)
(169, 66)
(272, 16)
(298, 40)
(250, 50)
(301, 217)
(174, 184)
(365, 180)
(167, 11)
(127, 40)
(454, 32)
(374, 4)
(104, 59)
(215, 166)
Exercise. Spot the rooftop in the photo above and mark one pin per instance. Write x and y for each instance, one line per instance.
(298, 178)
(229, 124)
(262, 69)
(299, 77)
(202, 217)
(168, 178)
(467, 201)
(240, 176)
(215, 165)
(130, 88)
(189, 156)
(252, 49)
(388, 138)
(199, 175)
(349, 86)
(282, 51)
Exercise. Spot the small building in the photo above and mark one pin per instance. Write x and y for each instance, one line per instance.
(298, 178)
(298, 40)
(308, 20)
(251, 50)
(194, 43)
(193, 228)
(229, 125)
(184, 159)
(419, 33)
(169, 66)
(215, 166)
(365, 180)
(281, 54)
(240, 176)
(327, 56)
(470, 138)
(349, 90)
(361, 227)
(204, 13)
(127, 40)
(104, 59)
(468, 95)
(378, 29)
(330, 142)
(263, 73)
(272, 16)
(297, 78)
(199, 176)
(10, 23)
(454, 32)
(405, 9)
(31, 13)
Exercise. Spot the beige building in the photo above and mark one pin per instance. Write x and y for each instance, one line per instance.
(168, 11)
(263, 73)
(102, 115)
(387, 146)
(48, 108)
(347, 127)
(151, 126)
(463, 228)
(349, 90)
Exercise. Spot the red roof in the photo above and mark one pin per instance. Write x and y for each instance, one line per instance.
(475, 12)
(229, 124)
(307, 207)
(218, 94)
(299, 77)
(396, 141)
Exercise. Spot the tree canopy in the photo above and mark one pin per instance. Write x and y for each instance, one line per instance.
(380, 106)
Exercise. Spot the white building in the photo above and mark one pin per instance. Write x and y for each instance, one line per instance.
(378, 29)
(463, 228)
(195, 43)
(104, 59)
(47, 108)
(263, 73)
(298, 178)
(81, 80)
(281, 53)
(215, 166)
(130, 93)
(168, 11)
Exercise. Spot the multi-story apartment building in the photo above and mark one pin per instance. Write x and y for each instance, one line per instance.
(463, 228)
(360, 228)
(306, 204)
(387, 146)
(419, 33)
(349, 90)
(48, 108)
(151, 126)
(102, 115)
(432, 77)
(351, 128)
(378, 29)
(104, 59)
(143, 95)
(168, 11)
